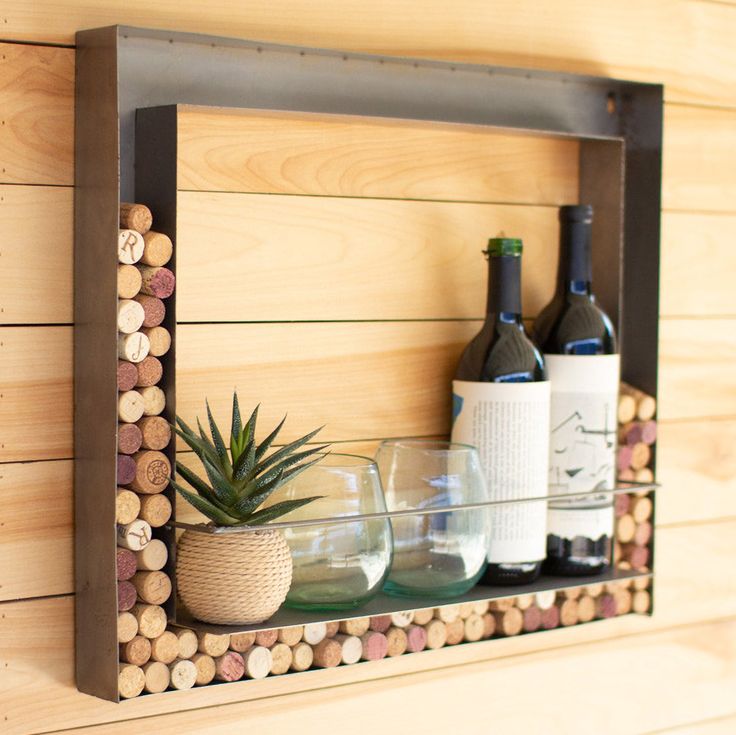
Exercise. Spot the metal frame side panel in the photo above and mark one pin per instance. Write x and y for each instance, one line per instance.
(96, 198)
(155, 186)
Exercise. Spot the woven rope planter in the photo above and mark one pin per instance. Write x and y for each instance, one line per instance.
(233, 579)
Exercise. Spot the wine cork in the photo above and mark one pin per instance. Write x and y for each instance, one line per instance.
(509, 622)
(624, 600)
(505, 603)
(356, 626)
(447, 613)
(593, 590)
(380, 623)
(643, 534)
(129, 438)
(157, 250)
(156, 511)
(127, 506)
(466, 610)
(135, 217)
(532, 619)
(155, 431)
(187, 640)
(159, 340)
(125, 469)
(605, 606)
(327, 653)
(213, 645)
(183, 674)
(154, 556)
(625, 529)
(644, 475)
(154, 310)
(151, 619)
(133, 347)
(150, 372)
(157, 281)
(165, 648)
(473, 628)
(206, 669)
(241, 642)
(523, 602)
(621, 504)
(134, 536)
(131, 681)
(422, 617)
(127, 627)
(617, 552)
(642, 583)
(290, 636)
(332, 629)
(397, 640)
(571, 593)
(641, 454)
(127, 375)
(455, 631)
(314, 633)
(126, 563)
(630, 433)
(482, 607)
(626, 475)
(550, 618)
(569, 613)
(303, 655)
(152, 472)
(374, 646)
(129, 281)
(641, 509)
(626, 408)
(281, 658)
(641, 601)
(436, 632)
(154, 400)
(545, 600)
(351, 647)
(136, 651)
(489, 625)
(586, 608)
(416, 638)
(229, 667)
(130, 316)
(130, 406)
(258, 662)
(623, 458)
(638, 556)
(158, 677)
(152, 587)
(267, 638)
(646, 405)
(130, 246)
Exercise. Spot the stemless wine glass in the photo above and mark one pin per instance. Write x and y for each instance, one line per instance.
(337, 566)
(440, 554)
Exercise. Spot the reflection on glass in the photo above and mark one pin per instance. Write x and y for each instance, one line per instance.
(441, 554)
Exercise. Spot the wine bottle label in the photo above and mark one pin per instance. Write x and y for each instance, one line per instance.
(509, 424)
(580, 532)
(583, 423)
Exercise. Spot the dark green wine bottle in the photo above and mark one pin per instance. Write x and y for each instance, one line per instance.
(579, 344)
(501, 406)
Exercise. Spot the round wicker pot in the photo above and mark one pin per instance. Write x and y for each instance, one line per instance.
(233, 578)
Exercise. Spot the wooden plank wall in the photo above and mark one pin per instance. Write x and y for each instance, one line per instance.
(685, 655)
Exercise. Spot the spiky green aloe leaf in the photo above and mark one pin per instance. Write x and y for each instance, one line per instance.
(204, 506)
(245, 463)
(278, 510)
(214, 454)
(236, 429)
(249, 503)
(222, 487)
(196, 444)
(285, 451)
(199, 485)
(266, 443)
(258, 481)
(217, 439)
(250, 427)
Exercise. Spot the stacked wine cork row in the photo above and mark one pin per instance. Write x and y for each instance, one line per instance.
(637, 435)
(180, 659)
(143, 470)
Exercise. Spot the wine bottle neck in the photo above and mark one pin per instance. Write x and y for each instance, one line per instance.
(574, 274)
(504, 287)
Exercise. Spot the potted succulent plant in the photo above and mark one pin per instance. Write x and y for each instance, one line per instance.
(237, 578)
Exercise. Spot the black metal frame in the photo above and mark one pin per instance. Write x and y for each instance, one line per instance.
(121, 69)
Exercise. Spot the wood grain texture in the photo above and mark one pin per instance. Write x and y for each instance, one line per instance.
(36, 254)
(687, 45)
(699, 163)
(719, 726)
(36, 113)
(696, 359)
(334, 155)
(35, 393)
(315, 258)
(697, 264)
(36, 529)
(363, 380)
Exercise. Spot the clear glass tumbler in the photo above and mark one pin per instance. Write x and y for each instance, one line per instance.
(337, 566)
(439, 554)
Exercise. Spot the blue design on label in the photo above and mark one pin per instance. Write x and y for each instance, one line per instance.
(457, 406)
